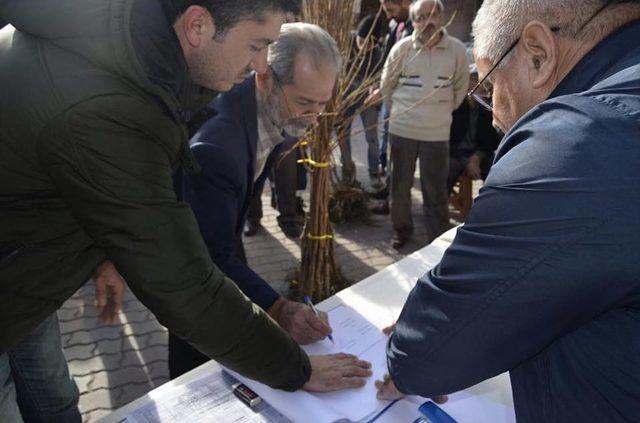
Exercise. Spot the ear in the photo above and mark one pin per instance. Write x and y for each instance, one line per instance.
(264, 82)
(198, 26)
(541, 53)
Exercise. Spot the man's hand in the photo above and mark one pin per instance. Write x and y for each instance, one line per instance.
(300, 321)
(387, 391)
(389, 329)
(109, 292)
(337, 371)
(473, 167)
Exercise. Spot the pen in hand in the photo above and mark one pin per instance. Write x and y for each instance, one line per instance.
(308, 302)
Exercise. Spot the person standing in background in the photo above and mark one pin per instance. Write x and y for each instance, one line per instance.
(425, 78)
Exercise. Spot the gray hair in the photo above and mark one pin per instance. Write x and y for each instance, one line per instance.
(499, 23)
(415, 5)
(302, 38)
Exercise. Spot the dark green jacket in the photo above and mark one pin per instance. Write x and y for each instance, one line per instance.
(93, 95)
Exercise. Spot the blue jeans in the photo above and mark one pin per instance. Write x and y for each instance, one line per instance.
(369, 118)
(35, 385)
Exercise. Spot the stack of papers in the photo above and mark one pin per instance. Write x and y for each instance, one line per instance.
(204, 400)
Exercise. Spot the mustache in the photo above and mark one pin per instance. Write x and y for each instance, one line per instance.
(428, 27)
(428, 32)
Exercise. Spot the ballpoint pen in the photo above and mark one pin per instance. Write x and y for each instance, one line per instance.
(308, 302)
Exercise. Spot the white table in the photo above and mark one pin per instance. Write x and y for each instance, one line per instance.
(382, 294)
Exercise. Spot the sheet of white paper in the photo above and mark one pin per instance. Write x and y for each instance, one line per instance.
(353, 334)
(208, 399)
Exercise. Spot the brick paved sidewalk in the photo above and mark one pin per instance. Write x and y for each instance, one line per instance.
(114, 365)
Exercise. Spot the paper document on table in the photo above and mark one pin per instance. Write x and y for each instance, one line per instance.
(208, 399)
(465, 407)
(353, 334)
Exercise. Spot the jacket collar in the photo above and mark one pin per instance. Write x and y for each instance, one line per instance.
(604, 60)
(250, 112)
(159, 53)
(247, 112)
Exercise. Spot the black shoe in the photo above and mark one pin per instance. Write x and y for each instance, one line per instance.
(399, 241)
(291, 229)
(380, 194)
(252, 228)
(381, 209)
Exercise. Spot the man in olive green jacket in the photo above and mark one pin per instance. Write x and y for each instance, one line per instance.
(94, 100)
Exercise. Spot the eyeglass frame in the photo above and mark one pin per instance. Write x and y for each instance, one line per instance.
(478, 97)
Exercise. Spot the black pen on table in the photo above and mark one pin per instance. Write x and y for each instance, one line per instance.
(308, 302)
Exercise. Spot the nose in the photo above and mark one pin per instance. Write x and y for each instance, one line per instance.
(317, 108)
(312, 113)
(259, 62)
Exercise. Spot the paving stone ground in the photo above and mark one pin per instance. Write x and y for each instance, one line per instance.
(114, 365)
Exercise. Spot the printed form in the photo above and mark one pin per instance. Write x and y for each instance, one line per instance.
(204, 400)
(352, 334)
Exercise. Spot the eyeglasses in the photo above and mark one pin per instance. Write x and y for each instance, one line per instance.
(486, 100)
(280, 86)
(424, 18)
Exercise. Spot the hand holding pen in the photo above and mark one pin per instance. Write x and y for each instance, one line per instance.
(308, 302)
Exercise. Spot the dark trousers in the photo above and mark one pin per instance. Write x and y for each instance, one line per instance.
(386, 113)
(434, 169)
(182, 356)
(287, 176)
(369, 118)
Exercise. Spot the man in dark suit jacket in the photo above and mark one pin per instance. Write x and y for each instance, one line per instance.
(252, 121)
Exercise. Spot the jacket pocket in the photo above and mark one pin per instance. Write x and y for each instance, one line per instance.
(410, 81)
(443, 89)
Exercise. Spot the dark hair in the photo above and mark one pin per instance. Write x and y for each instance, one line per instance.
(370, 25)
(228, 13)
